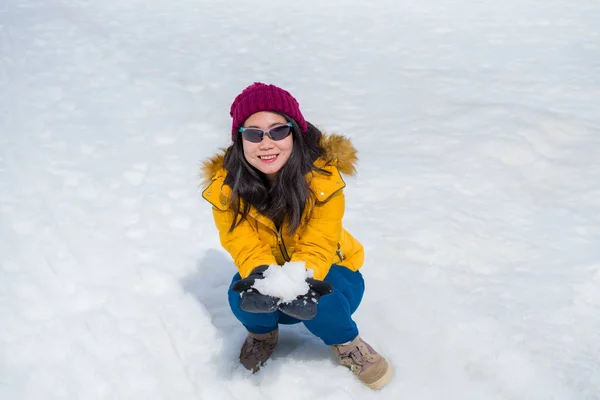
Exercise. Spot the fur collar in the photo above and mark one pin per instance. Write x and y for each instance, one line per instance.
(339, 151)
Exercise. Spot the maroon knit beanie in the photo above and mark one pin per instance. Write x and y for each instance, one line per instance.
(261, 97)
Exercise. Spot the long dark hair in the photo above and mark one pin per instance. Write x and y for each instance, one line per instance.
(285, 198)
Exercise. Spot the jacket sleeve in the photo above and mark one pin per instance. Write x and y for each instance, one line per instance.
(319, 241)
(243, 243)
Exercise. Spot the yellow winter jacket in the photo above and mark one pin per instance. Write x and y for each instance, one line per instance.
(320, 241)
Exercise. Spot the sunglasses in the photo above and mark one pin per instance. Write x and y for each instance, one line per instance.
(256, 135)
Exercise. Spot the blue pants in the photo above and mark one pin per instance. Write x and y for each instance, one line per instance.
(333, 323)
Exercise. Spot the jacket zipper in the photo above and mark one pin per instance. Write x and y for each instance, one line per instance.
(282, 248)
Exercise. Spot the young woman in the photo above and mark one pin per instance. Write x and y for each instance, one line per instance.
(278, 197)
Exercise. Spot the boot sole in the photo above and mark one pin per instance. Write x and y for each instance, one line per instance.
(384, 380)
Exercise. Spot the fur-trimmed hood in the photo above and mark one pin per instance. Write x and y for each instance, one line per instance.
(338, 151)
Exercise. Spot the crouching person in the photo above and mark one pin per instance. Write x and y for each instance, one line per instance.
(278, 196)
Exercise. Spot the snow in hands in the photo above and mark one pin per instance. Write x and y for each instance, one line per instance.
(285, 282)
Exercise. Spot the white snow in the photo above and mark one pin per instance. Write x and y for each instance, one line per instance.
(477, 196)
(286, 282)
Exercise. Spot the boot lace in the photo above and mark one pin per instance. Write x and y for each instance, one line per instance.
(258, 348)
(356, 357)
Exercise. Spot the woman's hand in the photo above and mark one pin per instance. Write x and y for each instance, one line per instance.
(252, 300)
(304, 307)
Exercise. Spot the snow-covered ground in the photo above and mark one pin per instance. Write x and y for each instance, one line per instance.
(477, 197)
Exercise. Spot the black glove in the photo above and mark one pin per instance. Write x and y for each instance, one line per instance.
(252, 300)
(304, 307)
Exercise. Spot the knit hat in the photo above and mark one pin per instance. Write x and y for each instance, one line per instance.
(261, 97)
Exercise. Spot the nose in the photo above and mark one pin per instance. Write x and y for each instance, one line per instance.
(266, 143)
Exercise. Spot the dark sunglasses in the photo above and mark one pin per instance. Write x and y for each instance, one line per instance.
(256, 135)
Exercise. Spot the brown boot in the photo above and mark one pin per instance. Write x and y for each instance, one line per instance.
(257, 349)
(370, 367)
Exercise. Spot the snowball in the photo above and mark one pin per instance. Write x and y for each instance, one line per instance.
(286, 282)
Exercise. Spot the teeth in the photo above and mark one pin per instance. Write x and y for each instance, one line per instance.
(267, 157)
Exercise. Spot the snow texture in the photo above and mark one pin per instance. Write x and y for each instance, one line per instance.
(286, 282)
(477, 197)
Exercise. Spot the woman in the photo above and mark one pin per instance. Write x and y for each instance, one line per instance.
(278, 197)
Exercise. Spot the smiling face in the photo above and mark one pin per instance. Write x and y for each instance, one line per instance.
(268, 156)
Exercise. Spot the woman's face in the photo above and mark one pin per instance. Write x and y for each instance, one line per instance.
(267, 156)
